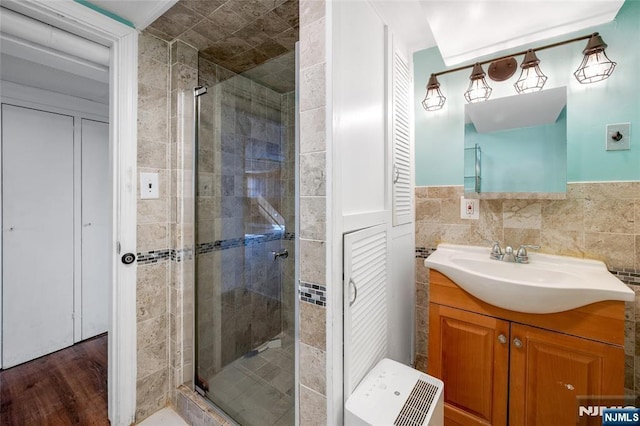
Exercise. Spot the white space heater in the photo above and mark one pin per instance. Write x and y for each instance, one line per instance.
(394, 394)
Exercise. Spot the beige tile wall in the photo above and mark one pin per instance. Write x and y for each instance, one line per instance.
(153, 227)
(313, 401)
(165, 286)
(165, 225)
(596, 221)
(184, 78)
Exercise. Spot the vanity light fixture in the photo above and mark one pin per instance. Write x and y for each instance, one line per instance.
(595, 66)
(478, 90)
(434, 100)
(531, 78)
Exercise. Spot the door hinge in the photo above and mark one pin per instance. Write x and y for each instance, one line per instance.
(118, 247)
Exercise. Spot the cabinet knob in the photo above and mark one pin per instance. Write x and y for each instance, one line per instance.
(502, 339)
(517, 343)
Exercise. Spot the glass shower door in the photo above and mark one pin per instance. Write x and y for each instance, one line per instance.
(245, 289)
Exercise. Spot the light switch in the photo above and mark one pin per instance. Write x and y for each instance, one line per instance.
(618, 137)
(149, 187)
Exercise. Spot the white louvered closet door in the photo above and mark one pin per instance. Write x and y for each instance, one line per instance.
(365, 290)
(401, 141)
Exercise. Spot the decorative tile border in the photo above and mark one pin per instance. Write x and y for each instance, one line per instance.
(246, 241)
(424, 252)
(629, 276)
(155, 256)
(313, 293)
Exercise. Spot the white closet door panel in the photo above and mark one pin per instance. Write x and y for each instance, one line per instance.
(360, 106)
(96, 228)
(365, 322)
(401, 137)
(37, 234)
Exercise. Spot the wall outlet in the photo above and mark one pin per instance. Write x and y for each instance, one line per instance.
(469, 208)
(618, 137)
(149, 186)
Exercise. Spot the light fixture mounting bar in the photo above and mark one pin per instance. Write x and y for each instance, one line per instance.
(536, 49)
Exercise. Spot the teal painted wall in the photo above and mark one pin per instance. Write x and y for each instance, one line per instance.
(439, 135)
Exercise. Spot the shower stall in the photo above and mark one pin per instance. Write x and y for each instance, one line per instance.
(244, 235)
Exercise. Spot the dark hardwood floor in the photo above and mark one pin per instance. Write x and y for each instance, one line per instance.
(68, 387)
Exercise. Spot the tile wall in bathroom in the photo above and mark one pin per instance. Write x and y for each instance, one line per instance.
(312, 387)
(246, 166)
(184, 78)
(596, 221)
(153, 229)
(165, 226)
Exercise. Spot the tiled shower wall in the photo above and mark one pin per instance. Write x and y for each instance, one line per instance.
(184, 78)
(313, 216)
(165, 299)
(153, 230)
(165, 225)
(596, 221)
(246, 167)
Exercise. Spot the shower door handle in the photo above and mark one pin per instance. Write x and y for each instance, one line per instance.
(284, 253)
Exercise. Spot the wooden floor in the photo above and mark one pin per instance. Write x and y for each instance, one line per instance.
(68, 387)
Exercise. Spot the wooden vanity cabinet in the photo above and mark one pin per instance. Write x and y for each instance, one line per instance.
(466, 354)
(502, 367)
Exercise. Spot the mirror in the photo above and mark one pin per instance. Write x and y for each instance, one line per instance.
(517, 144)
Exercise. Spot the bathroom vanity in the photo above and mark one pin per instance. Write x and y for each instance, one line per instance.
(504, 367)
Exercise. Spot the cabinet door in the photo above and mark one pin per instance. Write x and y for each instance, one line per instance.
(401, 141)
(549, 370)
(466, 351)
(365, 303)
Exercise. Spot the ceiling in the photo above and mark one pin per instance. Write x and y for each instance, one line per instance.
(235, 34)
(44, 75)
(241, 34)
(490, 26)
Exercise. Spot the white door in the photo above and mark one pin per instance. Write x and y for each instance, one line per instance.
(37, 233)
(401, 141)
(365, 303)
(96, 228)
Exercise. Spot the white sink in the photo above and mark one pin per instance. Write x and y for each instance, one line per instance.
(545, 285)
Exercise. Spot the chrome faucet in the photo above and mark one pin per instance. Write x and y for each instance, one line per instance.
(521, 256)
(496, 251)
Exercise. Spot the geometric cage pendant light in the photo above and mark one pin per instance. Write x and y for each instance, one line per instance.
(596, 65)
(531, 79)
(434, 99)
(478, 90)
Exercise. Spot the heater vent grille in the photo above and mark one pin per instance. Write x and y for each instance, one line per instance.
(417, 406)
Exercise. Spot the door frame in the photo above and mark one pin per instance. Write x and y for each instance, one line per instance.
(123, 88)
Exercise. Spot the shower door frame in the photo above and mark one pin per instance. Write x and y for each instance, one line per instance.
(197, 92)
(123, 83)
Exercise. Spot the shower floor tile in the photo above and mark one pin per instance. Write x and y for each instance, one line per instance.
(258, 390)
